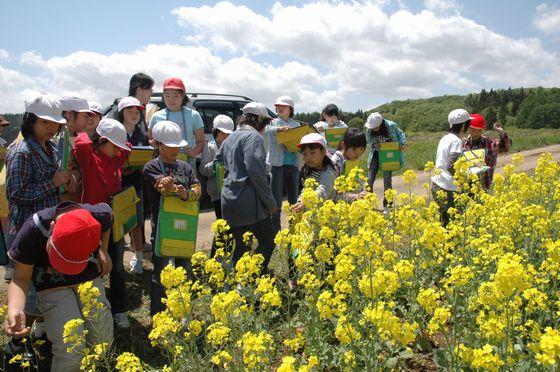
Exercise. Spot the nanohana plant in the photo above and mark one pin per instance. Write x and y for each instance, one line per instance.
(354, 289)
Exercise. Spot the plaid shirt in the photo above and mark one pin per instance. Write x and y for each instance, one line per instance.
(29, 186)
(275, 156)
(492, 147)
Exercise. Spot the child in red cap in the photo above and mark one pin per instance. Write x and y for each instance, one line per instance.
(101, 159)
(57, 249)
(491, 146)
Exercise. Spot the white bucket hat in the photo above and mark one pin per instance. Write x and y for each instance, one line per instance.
(284, 101)
(168, 133)
(46, 106)
(313, 138)
(129, 102)
(374, 121)
(256, 108)
(458, 116)
(223, 123)
(75, 103)
(114, 131)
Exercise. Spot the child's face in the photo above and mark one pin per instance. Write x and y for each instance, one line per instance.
(331, 119)
(313, 156)
(354, 153)
(79, 121)
(173, 99)
(283, 111)
(168, 153)
(131, 115)
(221, 137)
(144, 95)
(44, 130)
(475, 133)
(110, 149)
(92, 125)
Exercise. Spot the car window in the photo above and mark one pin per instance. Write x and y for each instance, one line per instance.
(209, 110)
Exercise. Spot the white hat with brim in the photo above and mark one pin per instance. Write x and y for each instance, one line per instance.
(284, 101)
(256, 108)
(47, 107)
(374, 121)
(95, 107)
(75, 103)
(129, 102)
(223, 123)
(113, 131)
(169, 134)
(458, 116)
(312, 138)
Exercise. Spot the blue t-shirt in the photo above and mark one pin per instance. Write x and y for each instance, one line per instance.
(289, 158)
(193, 121)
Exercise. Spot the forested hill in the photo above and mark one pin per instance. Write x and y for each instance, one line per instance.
(521, 107)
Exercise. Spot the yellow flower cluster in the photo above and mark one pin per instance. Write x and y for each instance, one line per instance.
(128, 362)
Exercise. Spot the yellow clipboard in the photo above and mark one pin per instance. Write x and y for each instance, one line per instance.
(291, 138)
(124, 210)
(139, 156)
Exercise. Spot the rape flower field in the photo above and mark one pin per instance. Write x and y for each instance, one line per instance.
(354, 289)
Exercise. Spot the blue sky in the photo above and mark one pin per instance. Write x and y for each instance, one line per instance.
(516, 43)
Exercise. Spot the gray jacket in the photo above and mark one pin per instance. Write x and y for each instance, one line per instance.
(246, 193)
(207, 169)
(326, 190)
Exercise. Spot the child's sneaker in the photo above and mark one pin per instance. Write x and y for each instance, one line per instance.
(121, 320)
(135, 265)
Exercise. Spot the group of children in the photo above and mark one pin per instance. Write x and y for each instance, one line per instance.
(61, 220)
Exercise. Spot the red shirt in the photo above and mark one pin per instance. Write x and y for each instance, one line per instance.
(101, 175)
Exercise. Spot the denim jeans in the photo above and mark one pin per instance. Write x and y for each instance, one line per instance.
(263, 232)
(387, 177)
(118, 295)
(283, 178)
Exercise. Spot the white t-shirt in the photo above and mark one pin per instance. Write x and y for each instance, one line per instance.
(449, 144)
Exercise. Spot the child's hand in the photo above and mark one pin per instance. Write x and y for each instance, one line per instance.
(165, 184)
(73, 182)
(283, 129)
(60, 178)
(298, 207)
(182, 192)
(321, 129)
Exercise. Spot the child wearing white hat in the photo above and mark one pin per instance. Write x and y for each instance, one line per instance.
(449, 150)
(380, 130)
(318, 165)
(283, 163)
(167, 175)
(100, 160)
(222, 127)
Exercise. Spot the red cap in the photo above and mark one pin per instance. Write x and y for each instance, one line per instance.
(478, 121)
(174, 83)
(75, 236)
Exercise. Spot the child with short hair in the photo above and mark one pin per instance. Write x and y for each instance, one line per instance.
(57, 249)
(352, 148)
(167, 175)
(330, 118)
(318, 165)
(129, 114)
(100, 160)
(449, 150)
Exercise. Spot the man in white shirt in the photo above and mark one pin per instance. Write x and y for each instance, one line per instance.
(448, 151)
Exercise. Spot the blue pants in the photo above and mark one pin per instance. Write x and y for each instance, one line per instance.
(283, 178)
(387, 177)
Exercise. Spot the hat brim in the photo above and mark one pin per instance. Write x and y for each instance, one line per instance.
(226, 131)
(118, 144)
(65, 267)
(140, 107)
(300, 145)
(57, 119)
(175, 87)
(368, 126)
(181, 143)
(283, 104)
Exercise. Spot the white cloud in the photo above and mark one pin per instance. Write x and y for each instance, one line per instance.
(548, 19)
(441, 5)
(317, 52)
(4, 54)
